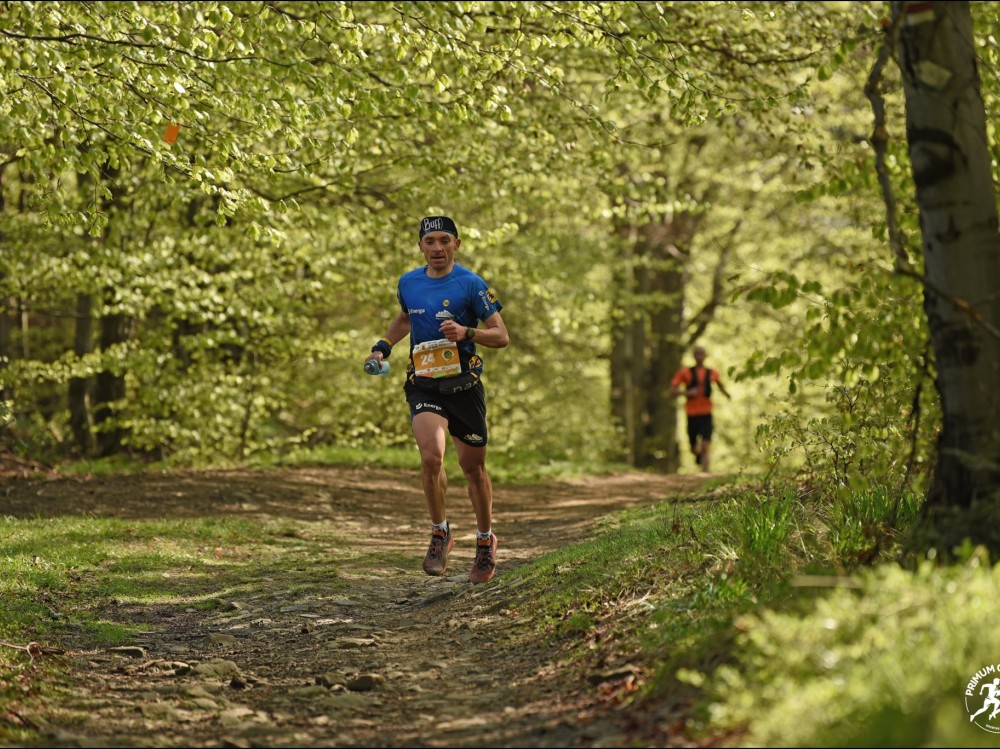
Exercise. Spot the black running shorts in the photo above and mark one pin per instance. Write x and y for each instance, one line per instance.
(464, 410)
(699, 426)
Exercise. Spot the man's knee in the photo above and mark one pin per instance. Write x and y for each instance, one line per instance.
(475, 473)
(472, 463)
(431, 463)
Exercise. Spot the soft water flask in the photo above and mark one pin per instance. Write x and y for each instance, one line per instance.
(375, 367)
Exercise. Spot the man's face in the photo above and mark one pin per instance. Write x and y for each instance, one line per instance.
(439, 248)
(699, 354)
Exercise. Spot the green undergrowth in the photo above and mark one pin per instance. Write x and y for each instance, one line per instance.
(883, 659)
(777, 619)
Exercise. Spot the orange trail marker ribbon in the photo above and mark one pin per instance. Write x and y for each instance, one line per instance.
(171, 134)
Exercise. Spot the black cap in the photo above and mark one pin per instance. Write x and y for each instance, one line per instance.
(437, 223)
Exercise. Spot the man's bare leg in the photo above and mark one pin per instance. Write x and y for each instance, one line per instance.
(705, 449)
(430, 430)
(473, 463)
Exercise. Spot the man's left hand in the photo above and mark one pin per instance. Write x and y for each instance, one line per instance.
(452, 330)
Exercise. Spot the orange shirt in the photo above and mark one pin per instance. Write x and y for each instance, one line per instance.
(699, 405)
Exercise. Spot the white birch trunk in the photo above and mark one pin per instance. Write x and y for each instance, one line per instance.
(946, 134)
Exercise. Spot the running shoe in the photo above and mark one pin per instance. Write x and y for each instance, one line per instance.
(485, 564)
(436, 561)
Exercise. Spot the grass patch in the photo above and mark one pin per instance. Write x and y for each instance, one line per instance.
(579, 578)
(66, 569)
(77, 583)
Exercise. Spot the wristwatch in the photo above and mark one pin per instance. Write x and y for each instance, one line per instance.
(470, 333)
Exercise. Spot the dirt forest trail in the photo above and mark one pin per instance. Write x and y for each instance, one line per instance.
(387, 657)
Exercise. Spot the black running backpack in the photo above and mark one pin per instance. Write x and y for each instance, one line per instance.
(708, 380)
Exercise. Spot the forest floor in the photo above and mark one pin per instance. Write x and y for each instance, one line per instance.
(387, 657)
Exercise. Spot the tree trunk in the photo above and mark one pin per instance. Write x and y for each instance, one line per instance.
(946, 134)
(79, 387)
(5, 352)
(6, 307)
(650, 331)
(648, 340)
(639, 364)
(110, 388)
(622, 383)
(629, 373)
(669, 277)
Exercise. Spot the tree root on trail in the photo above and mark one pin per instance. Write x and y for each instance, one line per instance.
(33, 649)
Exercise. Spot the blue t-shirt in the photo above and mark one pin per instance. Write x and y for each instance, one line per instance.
(461, 296)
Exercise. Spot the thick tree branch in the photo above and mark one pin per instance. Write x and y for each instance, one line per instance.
(703, 317)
